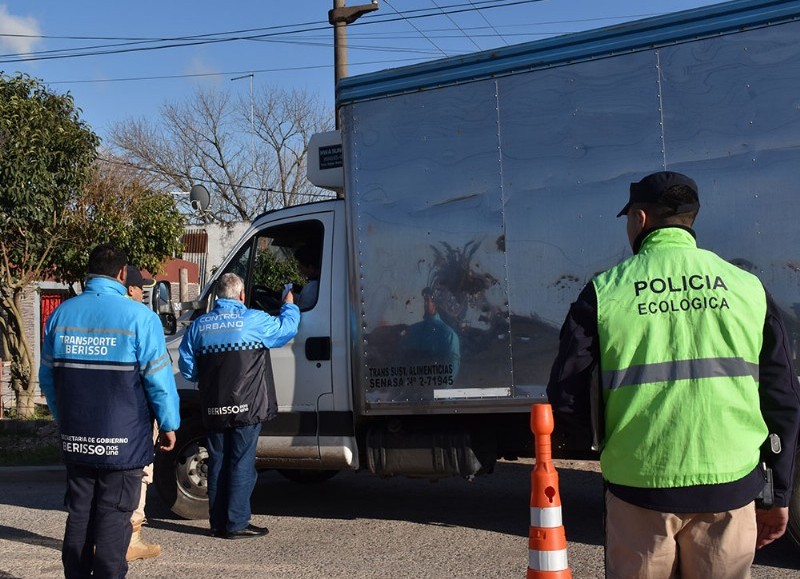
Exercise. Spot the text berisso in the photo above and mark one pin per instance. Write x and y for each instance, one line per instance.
(88, 345)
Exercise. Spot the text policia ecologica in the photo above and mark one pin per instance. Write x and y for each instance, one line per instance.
(682, 284)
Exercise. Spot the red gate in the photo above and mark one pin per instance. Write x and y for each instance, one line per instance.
(49, 302)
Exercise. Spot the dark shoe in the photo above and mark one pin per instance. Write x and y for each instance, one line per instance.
(219, 534)
(248, 532)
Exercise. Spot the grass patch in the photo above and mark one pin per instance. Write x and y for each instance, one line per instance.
(29, 443)
(17, 450)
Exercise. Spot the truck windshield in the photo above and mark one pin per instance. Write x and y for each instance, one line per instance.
(287, 253)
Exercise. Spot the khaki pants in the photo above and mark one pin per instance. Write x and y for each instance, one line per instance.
(646, 544)
(137, 518)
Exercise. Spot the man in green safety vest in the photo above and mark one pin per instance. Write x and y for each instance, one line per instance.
(697, 411)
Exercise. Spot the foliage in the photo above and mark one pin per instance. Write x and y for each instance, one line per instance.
(46, 153)
(118, 207)
(209, 140)
(272, 272)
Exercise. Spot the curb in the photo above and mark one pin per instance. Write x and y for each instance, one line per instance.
(40, 473)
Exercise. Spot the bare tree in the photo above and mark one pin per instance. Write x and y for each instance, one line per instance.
(207, 140)
(284, 123)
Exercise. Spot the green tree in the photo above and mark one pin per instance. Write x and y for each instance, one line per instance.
(46, 155)
(117, 206)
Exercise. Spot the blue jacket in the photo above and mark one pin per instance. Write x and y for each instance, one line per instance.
(432, 341)
(227, 352)
(106, 373)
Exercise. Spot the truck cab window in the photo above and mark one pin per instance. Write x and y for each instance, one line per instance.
(290, 253)
(238, 265)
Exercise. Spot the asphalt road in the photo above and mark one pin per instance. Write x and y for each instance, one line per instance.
(353, 526)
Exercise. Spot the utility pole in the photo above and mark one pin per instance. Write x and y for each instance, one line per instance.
(340, 17)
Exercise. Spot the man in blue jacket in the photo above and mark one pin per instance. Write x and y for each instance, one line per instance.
(227, 352)
(106, 375)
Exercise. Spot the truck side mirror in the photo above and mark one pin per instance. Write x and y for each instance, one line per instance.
(162, 304)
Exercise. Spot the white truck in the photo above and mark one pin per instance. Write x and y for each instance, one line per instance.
(479, 195)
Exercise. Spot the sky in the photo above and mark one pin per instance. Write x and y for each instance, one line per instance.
(123, 60)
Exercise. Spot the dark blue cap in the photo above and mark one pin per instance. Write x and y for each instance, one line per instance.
(651, 188)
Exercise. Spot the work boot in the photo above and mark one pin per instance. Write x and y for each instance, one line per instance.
(138, 549)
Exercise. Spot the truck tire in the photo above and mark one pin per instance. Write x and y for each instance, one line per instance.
(181, 475)
(304, 476)
(794, 504)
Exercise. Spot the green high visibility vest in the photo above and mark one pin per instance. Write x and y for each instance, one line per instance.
(680, 332)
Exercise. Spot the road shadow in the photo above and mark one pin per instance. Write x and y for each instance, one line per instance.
(174, 524)
(34, 491)
(21, 536)
(499, 502)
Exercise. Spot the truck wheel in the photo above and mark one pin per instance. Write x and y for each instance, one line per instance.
(304, 476)
(794, 504)
(181, 475)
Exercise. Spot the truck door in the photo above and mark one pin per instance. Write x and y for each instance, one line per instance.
(295, 251)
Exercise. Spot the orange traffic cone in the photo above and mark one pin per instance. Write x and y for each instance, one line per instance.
(547, 544)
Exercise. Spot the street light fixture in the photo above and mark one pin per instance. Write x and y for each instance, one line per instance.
(340, 16)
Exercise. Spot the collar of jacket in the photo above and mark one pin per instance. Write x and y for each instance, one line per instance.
(229, 304)
(666, 235)
(102, 284)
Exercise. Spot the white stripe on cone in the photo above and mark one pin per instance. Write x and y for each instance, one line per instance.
(547, 560)
(547, 517)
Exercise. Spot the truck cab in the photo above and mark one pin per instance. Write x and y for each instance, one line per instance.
(313, 434)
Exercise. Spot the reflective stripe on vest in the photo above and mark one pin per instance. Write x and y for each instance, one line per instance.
(679, 370)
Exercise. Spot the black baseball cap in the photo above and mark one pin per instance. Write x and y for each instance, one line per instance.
(134, 278)
(651, 188)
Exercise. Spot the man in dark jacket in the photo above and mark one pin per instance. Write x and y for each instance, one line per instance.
(227, 352)
(697, 390)
(106, 375)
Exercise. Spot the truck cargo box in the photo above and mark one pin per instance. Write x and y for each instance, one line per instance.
(492, 182)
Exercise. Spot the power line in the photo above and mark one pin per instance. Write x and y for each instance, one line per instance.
(477, 7)
(213, 38)
(450, 18)
(162, 173)
(493, 4)
(202, 39)
(500, 36)
(436, 46)
(225, 73)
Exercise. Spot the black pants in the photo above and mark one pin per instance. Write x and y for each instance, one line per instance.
(100, 503)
